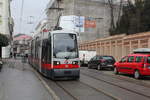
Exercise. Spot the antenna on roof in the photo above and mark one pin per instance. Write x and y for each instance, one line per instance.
(57, 24)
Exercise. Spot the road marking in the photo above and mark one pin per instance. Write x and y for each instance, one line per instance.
(47, 87)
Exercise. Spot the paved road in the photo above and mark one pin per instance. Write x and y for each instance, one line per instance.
(101, 85)
(19, 84)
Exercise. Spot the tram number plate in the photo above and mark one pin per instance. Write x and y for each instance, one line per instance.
(67, 72)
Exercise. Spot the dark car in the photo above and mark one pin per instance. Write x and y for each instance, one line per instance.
(100, 62)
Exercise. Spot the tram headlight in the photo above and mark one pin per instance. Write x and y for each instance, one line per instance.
(56, 62)
(75, 63)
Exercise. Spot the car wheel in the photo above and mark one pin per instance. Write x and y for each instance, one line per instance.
(137, 74)
(77, 78)
(116, 71)
(99, 67)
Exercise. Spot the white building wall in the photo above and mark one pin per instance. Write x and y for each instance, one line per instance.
(4, 23)
(1, 16)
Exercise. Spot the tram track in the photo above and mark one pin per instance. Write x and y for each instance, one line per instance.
(123, 79)
(110, 83)
(105, 93)
(59, 85)
(98, 90)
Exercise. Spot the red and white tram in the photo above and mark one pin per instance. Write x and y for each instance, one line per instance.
(55, 54)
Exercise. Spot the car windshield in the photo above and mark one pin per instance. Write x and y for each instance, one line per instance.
(148, 60)
(108, 58)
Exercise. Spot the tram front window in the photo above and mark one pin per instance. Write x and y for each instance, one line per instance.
(65, 46)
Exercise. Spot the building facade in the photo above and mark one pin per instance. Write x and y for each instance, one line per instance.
(96, 15)
(21, 44)
(118, 45)
(6, 24)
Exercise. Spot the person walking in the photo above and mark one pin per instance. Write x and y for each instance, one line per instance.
(1, 64)
(23, 61)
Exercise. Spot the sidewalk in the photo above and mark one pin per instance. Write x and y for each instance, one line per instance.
(19, 84)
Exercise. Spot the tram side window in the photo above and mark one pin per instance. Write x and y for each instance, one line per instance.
(43, 51)
(32, 48)
(49, 49)
(46, 51)
(37, 45)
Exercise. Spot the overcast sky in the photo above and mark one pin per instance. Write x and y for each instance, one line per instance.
(35, 8)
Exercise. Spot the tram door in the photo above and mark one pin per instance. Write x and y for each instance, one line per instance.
(40, 56)
(46, 56)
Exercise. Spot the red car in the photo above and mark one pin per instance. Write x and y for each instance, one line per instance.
(136, 64)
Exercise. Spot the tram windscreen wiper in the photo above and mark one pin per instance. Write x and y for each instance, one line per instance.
(66, 58)
(71, 55)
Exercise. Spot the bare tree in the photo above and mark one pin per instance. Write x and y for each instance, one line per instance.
(120, 10)
(112, 24)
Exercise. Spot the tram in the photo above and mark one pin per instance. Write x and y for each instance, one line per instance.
(55, 54)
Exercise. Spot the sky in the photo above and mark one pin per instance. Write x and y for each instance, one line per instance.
(34, 8)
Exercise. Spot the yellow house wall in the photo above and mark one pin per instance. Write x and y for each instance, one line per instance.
(118, 45)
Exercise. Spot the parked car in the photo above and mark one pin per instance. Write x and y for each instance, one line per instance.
(135, 64)
(100, 62)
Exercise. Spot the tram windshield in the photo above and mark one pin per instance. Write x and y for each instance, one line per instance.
(65, 46)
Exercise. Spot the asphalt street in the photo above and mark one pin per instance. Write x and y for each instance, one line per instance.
(19, 81)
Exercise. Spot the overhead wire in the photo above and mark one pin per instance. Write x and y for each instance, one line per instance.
(38, 19)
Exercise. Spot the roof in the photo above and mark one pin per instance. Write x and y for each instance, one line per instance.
(20, 37)
(63, 31)
(142, 50)
(51, 2)
(139, 54)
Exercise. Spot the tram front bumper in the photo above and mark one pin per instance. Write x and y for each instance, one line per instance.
(66, 72)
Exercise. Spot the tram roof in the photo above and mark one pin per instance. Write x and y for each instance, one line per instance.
(63, 31)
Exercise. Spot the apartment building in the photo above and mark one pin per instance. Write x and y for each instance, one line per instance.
(6, 24)
(95, 13)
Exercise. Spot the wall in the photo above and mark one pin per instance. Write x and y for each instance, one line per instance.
(118, 45)
(94, 10)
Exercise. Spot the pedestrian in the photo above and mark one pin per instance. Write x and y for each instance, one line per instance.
(26, 55)
(10, 54)
(15, 55)
(1, 64)
(23, 61)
